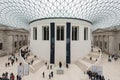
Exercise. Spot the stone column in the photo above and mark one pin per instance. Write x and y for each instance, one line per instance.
(18, 42)
(13, 48)
(26, 40)
(99, 41)
(103, 43)
(108, 44)
(94, 41)
(111, 44)
(21, 40)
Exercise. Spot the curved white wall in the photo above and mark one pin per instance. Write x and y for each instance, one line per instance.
(79, 48)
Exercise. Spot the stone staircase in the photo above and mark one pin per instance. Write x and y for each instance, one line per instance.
(81, 65)
(37, 63)
(88, 60)
(94, 55)
(85, 62)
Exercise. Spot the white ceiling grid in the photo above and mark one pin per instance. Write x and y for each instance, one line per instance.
(18, 13)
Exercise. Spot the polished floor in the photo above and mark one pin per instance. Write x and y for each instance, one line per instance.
(111, 70)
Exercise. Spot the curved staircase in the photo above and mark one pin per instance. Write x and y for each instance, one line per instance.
(36, 64)
(86, 63)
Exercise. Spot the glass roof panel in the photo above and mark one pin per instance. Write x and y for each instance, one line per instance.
(18, 13)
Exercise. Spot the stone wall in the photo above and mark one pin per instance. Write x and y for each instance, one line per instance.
(12, 39)
(110, 40)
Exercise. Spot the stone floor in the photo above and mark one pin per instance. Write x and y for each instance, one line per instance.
(10, 69)
(111, 70)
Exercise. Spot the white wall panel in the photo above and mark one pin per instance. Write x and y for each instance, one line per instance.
(79, 48)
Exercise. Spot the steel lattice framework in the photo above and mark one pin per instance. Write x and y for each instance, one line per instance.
(18, 13)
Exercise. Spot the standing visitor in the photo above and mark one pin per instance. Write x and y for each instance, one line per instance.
(50, 66)
(60, 64)
(52, 74)
(12, 77)
(49, 76)
(43, 74)
(46, 63)
(19, 77)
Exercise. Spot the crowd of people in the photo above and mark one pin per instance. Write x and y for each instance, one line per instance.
(11, 60)
(4, 76)
(11, 77)
(25, 52)
(95, 76)
(113, 56)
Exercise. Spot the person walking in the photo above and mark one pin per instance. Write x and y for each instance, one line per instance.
(60, 64)
(67, 66)
(52, 74)
(50, 66)
(49, 76)
(43, 74)
(12, 77)
(19, 77)
(47, 66)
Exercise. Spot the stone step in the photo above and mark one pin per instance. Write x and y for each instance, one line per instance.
(93, 55)
(81, 65)
(30, 57)
(93, 58)
(29, 60)
(36, 65)
(88, 60)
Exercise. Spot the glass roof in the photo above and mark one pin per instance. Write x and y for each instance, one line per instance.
(18, 13)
